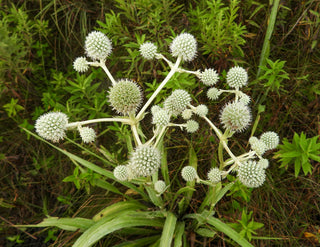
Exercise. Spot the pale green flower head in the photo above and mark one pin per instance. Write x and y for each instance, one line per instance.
(184, 45)
(97, 45)
(251, 174)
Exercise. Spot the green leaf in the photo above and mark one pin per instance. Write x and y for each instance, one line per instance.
(168, 230)
(297, 167)
(179, 233)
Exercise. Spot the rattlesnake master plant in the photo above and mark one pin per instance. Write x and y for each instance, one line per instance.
(177, 110)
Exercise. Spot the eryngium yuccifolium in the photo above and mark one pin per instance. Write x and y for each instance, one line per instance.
(251, 174)
(271, 139)
(80, 64)
(245, 99)
(201, 110)
(237, 77)
(253, 139)
(87, 134)
(160, 186)
(259, 147)
(121, 172)
(213, 93)
(209, 77)
(177, 101)
(148, 50)
(189, 173)
(161, 118)
(155, 108)
(186, 114)
(214, 175)
(264, 163)
(192, 126)
(144, 161)
(184, 45)
(52, 126)
(235, 116)
(125, 96)
(97, 45)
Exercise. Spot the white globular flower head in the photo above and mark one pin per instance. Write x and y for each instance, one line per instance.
(192, 126)
(144, 161)
(258, 146)
(87, 134)
(235, 116)
(161, 118)
(209, 77)
(186, 114)
(80, 64)
(97, 45)
(264, 163)
(201, 110)
(160, 186)
(121, 172)
(184, 45)
(251, 174)
(154, 109)
(177, 101)
(125, 96)
(271, 139)
(52, 126)
(189, 173)
(148, 50)
(213, 93)
(245, 99)
(214, 175)
(237, 77)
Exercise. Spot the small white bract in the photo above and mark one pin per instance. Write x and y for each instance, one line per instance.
(209, 77)
(192, 126)
(271, 139)
(52, 126)
(201, 110)
(125, 96)
(235, 116)
(161, 118)
(251, 174)
(144, 161)
(237, 77)
(121, 172)
(80, 64)
(97, 45)
(189, 173)
(184, 45)
(87, 134)
(148, 50)
(213, 93)
(160, 186)
(214, 175)
(177, 101)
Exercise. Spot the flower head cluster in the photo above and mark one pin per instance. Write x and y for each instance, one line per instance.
(209, 77)
(189, 173)
(161, 118)
(97, 45)
(125, 96)
(52, 126)
(184, 45)
(237, 77)
(144, 161)
(148, 50)
(177, 102)
(251, 174)
(235, 116)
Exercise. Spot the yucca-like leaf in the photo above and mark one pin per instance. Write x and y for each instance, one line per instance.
(168, 230)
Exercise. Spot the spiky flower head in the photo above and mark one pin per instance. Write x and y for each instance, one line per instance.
(87, 134)
(253, 140)
(271, 139)
(244, 98)
(97, 45)
(125, 96)
(155, 108)
(52, 126)
(121, 172)
(258, 146)
(184, 45)
(161, 118)
(148, 50)
(144, 161)
(177, 101)
(160, 186)
(235, 116)
(186, 114)
(201, 110)
(209, 77)
(214, 175)
(213, 93)
(192, 126)
(80, 64)
(237, 77)
(189, 173)
(251, 174)
(264, 163)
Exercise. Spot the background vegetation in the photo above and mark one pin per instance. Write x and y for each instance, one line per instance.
(38, 43)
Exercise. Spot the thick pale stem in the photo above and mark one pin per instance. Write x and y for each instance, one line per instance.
(104, 67)
(135, 134)
(98, 120)
(154, 95)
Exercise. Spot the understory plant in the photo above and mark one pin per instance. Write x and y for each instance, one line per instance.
(163, 212)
